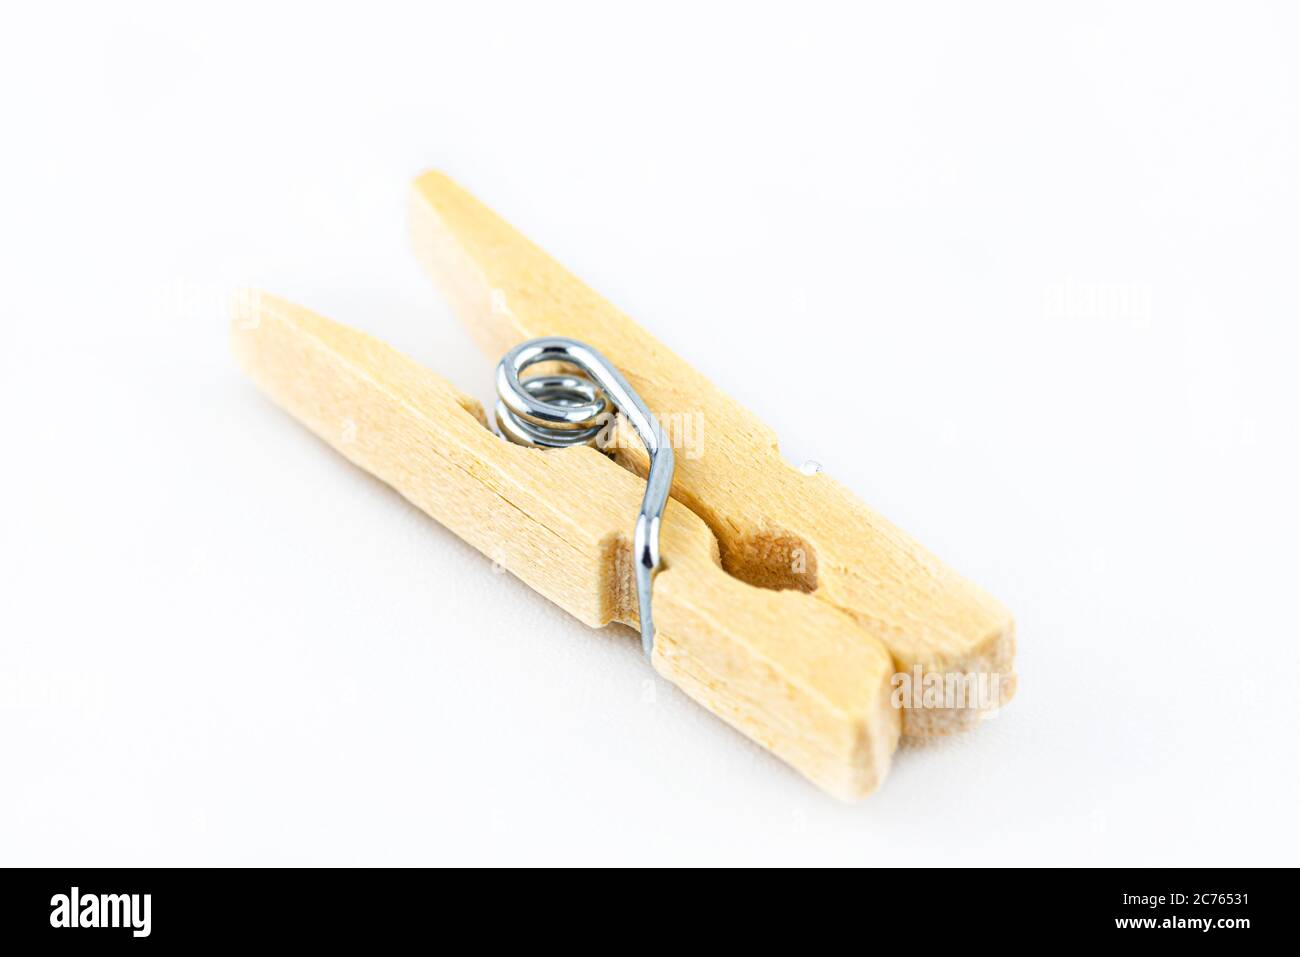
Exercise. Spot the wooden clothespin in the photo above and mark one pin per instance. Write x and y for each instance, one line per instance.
(783, 605)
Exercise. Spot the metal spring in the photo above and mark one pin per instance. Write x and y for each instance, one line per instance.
(563, 410)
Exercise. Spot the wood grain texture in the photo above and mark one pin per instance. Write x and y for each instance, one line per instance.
(787, 669)
(775, 526)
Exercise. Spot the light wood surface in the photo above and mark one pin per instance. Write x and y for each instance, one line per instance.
(785, 606)
(789, 670)
(775, 526)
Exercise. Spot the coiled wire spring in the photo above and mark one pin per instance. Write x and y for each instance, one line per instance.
(562, 410)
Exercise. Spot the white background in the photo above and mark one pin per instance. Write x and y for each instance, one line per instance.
(1024, 276)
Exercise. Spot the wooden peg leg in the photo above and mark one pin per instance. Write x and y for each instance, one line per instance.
(775, 526)
(791, 672)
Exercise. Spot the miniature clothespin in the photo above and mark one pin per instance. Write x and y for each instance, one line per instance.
(780, 603)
